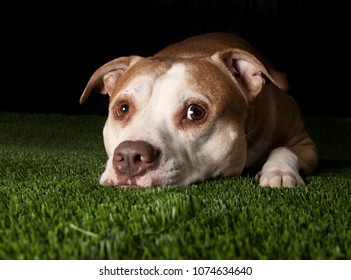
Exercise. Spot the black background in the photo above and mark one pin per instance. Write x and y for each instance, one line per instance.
(50, 49)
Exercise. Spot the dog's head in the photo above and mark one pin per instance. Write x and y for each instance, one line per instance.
(174, 121)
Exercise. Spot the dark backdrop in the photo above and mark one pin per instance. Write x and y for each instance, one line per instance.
(50, 50)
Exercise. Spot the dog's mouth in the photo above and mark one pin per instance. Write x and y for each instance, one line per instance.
(127, 182)
(166, 175)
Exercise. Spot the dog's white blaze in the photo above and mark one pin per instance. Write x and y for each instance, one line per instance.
(172, 90)
(169, 93)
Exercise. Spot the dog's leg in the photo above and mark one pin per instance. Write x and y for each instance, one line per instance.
(283, 165)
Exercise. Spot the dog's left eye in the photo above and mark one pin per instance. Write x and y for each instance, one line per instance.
(122, 109)
(195, 112)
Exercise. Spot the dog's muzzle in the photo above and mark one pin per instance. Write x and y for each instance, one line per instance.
(133, 159)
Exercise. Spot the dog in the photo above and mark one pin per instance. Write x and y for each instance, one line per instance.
(204, 108)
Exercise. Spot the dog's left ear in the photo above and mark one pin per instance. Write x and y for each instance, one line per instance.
(104, 79)
(249, 72)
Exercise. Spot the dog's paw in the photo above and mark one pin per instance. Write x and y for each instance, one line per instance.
(279, 178)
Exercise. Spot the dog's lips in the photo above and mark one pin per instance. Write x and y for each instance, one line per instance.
(128, 186)
(152, 178)
(126, 181)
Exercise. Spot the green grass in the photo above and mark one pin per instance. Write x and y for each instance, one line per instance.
(52, 207)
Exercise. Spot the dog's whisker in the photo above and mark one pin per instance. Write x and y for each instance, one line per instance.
(194, 165)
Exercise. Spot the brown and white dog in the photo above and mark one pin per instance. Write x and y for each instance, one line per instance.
(206, 107)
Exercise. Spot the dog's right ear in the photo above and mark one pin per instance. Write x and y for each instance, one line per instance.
(104, 79)
(250, 71)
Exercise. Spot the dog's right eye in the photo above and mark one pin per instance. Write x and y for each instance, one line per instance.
(122, 109)
(195, 112)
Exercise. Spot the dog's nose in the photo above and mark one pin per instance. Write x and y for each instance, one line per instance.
(135, 158)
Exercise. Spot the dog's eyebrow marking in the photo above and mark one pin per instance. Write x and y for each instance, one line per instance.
(139, 89)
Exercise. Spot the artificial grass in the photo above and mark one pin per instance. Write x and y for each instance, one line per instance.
(52, 206)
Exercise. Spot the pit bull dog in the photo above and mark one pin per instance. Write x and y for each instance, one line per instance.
(206, 107)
